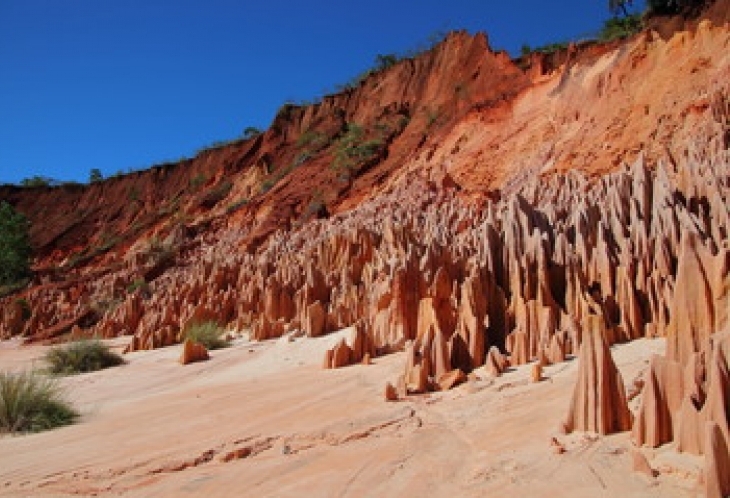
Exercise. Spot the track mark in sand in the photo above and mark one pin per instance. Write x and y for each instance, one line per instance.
(140, 474)
(144, 473)
(334, 437)
(251, 448)
(593, 471)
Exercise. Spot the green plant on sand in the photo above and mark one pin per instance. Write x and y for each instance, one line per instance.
(86, 355)
(209, 334)
(31, 402)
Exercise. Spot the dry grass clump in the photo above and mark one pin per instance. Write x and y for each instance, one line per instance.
(86, 355)
(209, 334)
(31, 402)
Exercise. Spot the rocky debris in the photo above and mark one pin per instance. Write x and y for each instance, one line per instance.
(557, 446)
(536, 373)
(193, 352)
(496, 363)
(451, 379)
(599, 399)
(391, 394)
(360, 349)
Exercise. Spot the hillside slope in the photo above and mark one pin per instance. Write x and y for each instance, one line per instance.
(460, 207)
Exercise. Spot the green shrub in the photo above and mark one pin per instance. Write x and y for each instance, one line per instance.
(15, 250)
(237, 205)
(38, 181)
(30, 402)
(216, 194)
(81, 356)
(620, 27)
(671, 7)
(251, 132)
(198, 180)
(95, 175)
(313, 139)
(353, 150)
(209, 334)
(138, 284)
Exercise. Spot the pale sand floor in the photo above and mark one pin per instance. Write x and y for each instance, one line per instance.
(264, 419)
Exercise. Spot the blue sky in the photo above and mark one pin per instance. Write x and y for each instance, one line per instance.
(120, 85)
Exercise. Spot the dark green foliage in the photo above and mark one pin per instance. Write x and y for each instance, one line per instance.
(620, 27)
(15, 248)
(670, 7)
(285, 112)
(25, 307)
(138, 284)
(385, 61)
(619, 6)
(37, 181)
(237, 205)
(95, 175)
(216, 194)
(81, 356)
(251, 132)
(198, 180)
(551, 48)
(30, 402)
(209, 334)
(313, 140)
(353, 150)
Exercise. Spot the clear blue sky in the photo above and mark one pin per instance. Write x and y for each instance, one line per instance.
(125, 84)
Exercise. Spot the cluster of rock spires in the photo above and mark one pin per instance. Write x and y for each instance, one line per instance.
(561, 265)
(551, 266)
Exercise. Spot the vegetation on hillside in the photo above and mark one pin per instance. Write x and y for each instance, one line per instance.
(15, 247)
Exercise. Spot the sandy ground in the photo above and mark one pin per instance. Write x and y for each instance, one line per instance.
(264, 419)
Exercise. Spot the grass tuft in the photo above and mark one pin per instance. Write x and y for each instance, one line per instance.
(209, 334)
(30, 402)
(81, 356)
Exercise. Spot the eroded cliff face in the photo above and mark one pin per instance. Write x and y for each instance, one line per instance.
(460, 207)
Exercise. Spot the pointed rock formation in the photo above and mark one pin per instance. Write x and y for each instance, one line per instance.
(496, 362)
(193, 352)
(661, 398)
(451, 379)
(599, 398)
(717, 463)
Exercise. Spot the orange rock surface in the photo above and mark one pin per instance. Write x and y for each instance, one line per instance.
(511, 211)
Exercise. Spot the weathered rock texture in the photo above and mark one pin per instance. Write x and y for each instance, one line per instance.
(500, 214)
(599, 399)
(193, 352)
